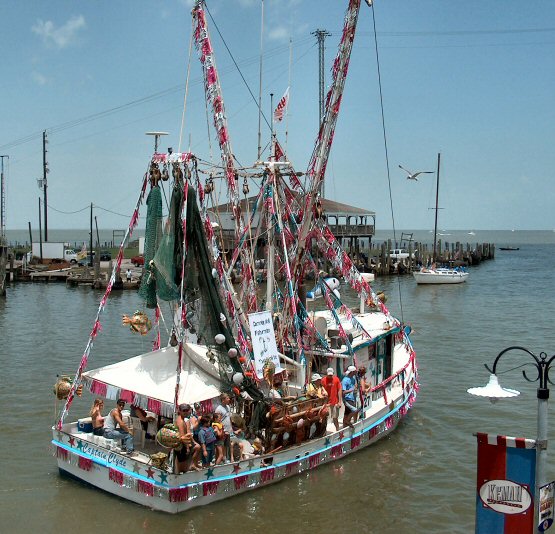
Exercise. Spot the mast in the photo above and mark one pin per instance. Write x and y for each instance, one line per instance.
(437, 198)
(260, 84)
(320, 155)
(214, 96)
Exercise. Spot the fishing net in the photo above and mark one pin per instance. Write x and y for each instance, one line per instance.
(153, 234)
(205, 311)
(169, 254)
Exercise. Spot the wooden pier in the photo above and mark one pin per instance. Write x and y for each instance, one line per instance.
(378, 261)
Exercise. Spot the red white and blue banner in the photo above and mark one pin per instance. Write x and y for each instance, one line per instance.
(505, 485)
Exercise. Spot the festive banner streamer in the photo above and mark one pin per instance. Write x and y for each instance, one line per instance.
(210, 488)
(336, 451)
(62, 453)
(291, 467)
(96, 328)
(145, 487)
(85, 464)
(178, 494)
(267, 475)
(115, 476)
(314, 460)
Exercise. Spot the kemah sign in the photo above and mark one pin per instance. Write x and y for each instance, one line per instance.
(505, 485)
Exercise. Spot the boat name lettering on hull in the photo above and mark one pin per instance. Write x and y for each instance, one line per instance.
(109, 457)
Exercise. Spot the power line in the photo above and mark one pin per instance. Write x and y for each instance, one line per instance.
(143, 100)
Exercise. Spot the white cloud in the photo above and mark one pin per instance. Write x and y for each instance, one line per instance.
(59, 37)
(278, 33)
(38, 78)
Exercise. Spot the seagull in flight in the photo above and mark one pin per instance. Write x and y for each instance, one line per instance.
(413, 175)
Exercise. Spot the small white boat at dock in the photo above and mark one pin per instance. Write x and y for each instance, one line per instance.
(440, 276)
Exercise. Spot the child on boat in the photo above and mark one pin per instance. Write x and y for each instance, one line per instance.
(220, 435)
(207, 439)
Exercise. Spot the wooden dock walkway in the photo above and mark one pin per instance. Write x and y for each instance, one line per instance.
(378, 261)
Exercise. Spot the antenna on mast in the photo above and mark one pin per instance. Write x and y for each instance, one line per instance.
(157, 136)
(260, 84)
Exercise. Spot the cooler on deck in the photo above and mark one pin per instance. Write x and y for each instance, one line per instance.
(85, 425)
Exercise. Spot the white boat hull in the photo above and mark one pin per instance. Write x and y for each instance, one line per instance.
(446, 276)
(144, 484)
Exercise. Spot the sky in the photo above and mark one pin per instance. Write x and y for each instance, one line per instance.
(474, 81)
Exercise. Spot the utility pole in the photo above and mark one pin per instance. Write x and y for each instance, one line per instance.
(44, 183)
(2, 203)
(40, 232)
(90, 263)
(321, 37)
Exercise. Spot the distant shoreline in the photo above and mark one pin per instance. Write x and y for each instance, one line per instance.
(78, 236)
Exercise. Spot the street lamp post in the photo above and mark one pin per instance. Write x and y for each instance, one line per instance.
(494, 391)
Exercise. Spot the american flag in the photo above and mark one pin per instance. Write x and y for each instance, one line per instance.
(281, 107)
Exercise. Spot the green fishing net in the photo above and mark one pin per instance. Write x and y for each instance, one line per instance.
(153, 234)
(166, 264)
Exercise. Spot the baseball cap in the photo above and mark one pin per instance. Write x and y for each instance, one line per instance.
(329, 371)
(315, 377)
(351, 369)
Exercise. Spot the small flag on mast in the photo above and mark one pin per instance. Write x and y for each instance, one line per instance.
(281, 107)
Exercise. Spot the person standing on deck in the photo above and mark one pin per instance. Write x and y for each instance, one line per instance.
(349, 386)
(332, 385)
(225, 411)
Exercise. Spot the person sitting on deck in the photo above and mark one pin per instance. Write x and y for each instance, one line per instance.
(277, 392)
(139, 413)
(111, 430)
(315, 390)
(97, 418)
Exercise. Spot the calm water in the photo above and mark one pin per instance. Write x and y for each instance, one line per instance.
(419, 480)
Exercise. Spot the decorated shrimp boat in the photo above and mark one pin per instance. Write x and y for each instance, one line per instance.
(235, 340)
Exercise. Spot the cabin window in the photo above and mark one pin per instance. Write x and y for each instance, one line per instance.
(372, 371)
(384, 348)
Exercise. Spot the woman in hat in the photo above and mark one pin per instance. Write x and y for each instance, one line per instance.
(315, 390)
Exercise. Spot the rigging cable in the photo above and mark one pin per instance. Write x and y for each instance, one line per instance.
(386, 152)
(186, 93)
(236, 65)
